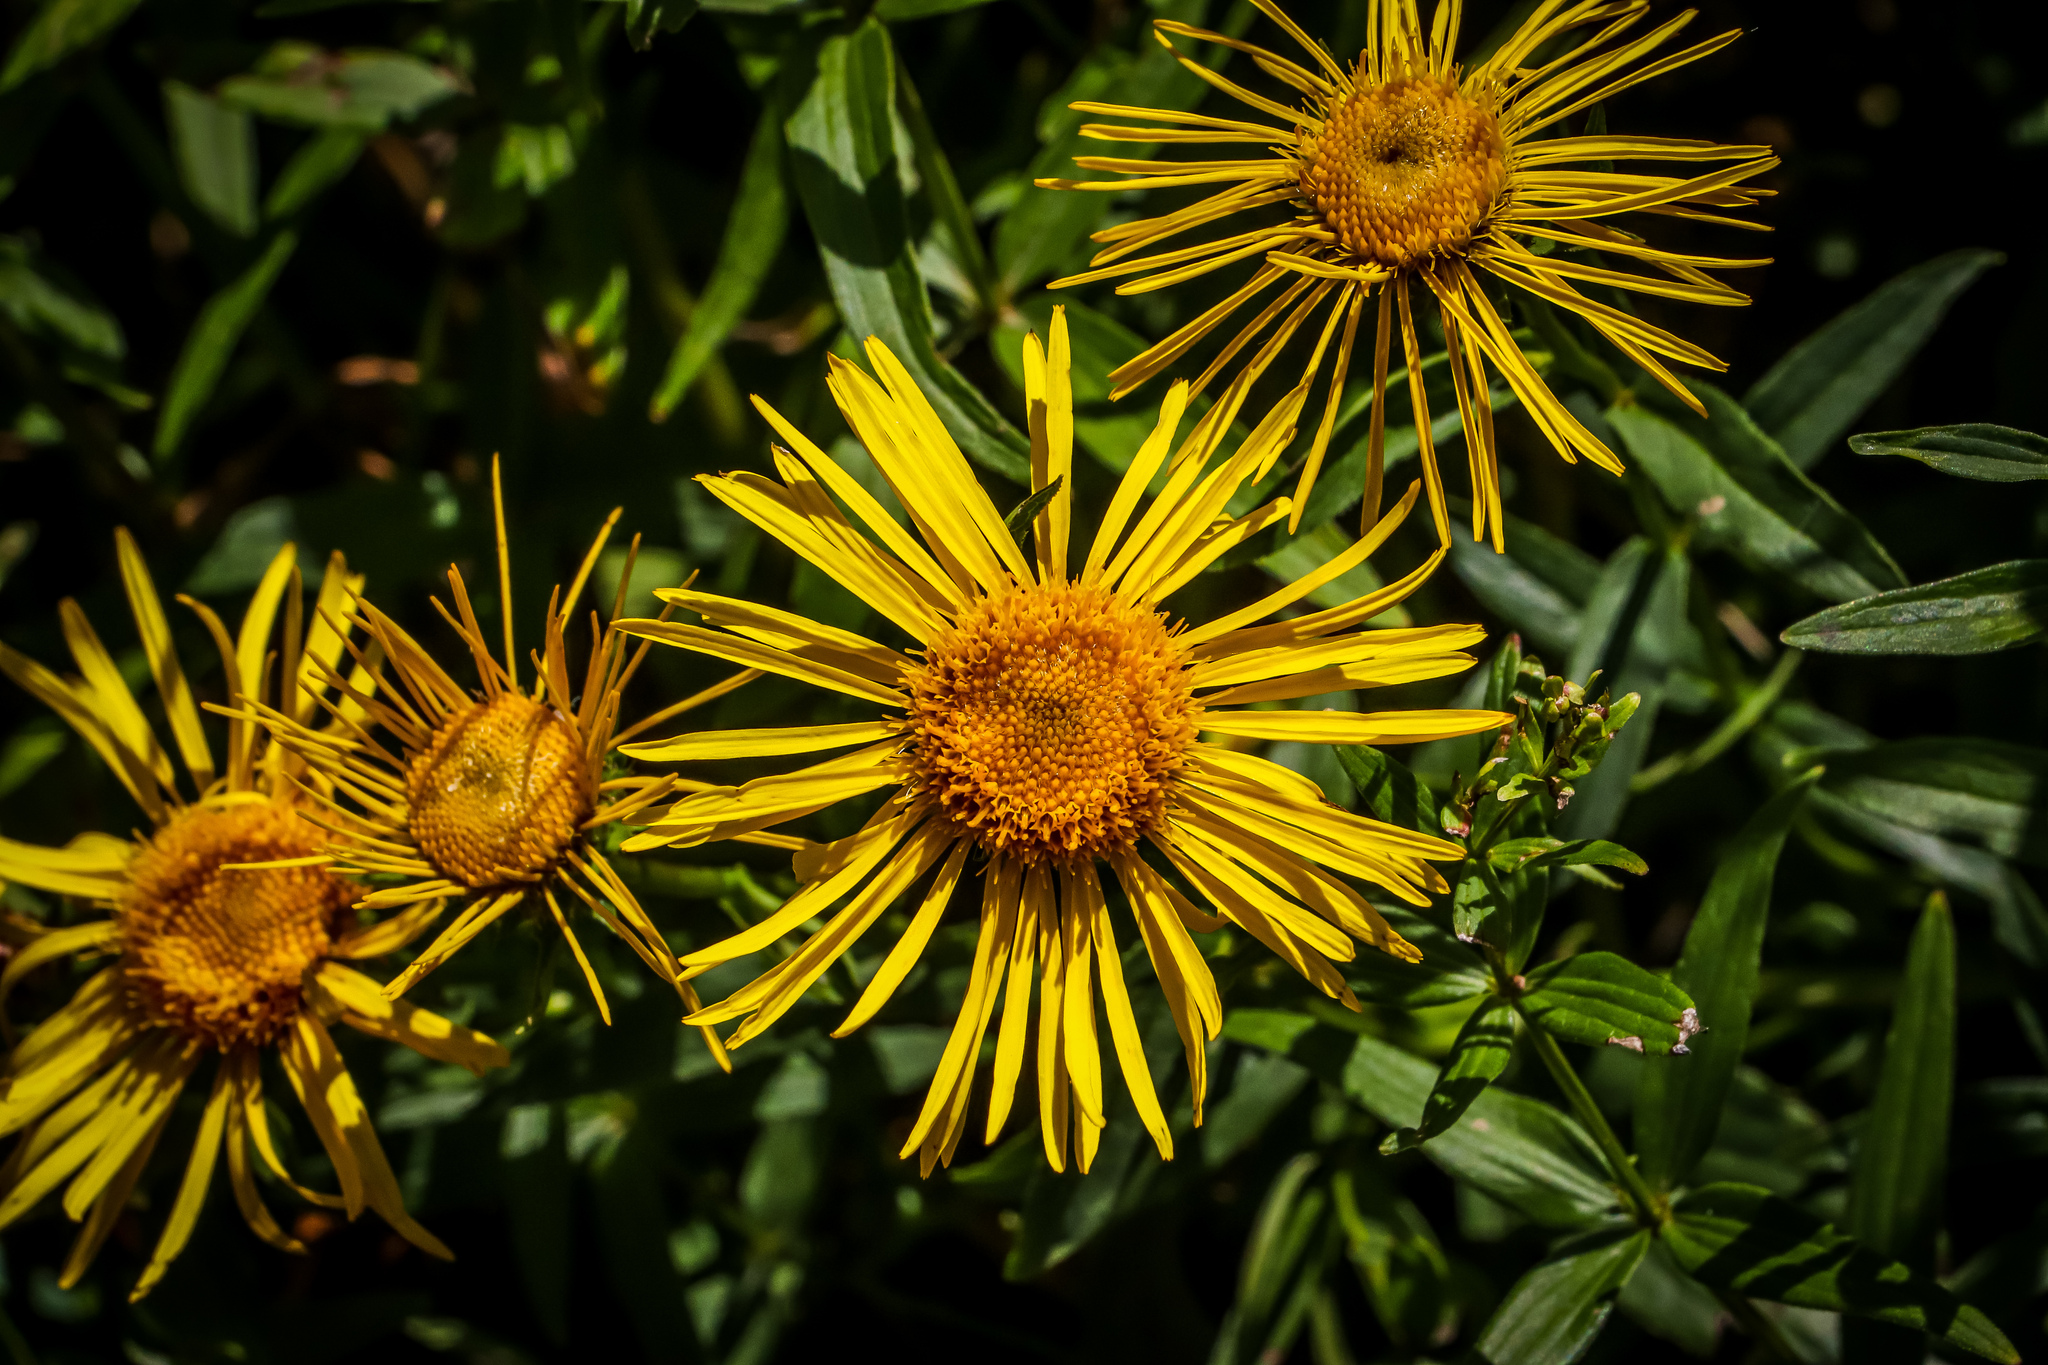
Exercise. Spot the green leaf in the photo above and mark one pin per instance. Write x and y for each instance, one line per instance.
(323, 159)
(212, 339)
(1973, 450)
(41, 306)
(1519, 1150)
(843, 158)
(1750, 497)
(1511, 855)
(1984, 789)
(953, 229)
(1449, 971)
(896, 11)
(1667, 1303)
(1111, 432)
(1477, 1058)
(1979, 612)
(1020, 516)
(1555, 1311)
(535, 1180)
(1679, 1102)
(645, 18)
(1387, 789)
(364, 90)
(1538, 586)
(60, 28)
(1601, 998)
(1902, 1150)
(1063, 1211)
(1810, 397)
(753, 238)
(1748, 1241)
(215, 148)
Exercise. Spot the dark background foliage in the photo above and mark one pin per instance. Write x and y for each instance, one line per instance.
(611, 1195)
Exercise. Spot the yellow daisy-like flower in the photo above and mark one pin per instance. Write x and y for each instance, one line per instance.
(1405, 170)
(1045, 723)
(230, 937)
(494, 795)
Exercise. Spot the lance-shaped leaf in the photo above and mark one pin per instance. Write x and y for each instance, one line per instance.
(1979, 612)
(212, 339)
(1973, 450)
(364, 90)
(1748, 496)
(1809, 398)
(1748, 1241)
(753, 238)
(60, 28)
(322, 160)
(1991, 792)
(1449, 971)
(1679, 1101)
(215, 148)
(1601, 998)
(1477, 1058)
(1388, 789)
(1554, 1312)
(1538, 586)
(1513, 855)
(1519, 1150)
(843, 159)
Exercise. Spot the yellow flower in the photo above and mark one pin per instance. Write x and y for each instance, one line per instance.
(1044, 724)
(230, 936)
(492, 795)
(1403, 170)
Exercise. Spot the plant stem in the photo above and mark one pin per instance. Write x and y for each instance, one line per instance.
(1757, 1327)
(1649, 1210)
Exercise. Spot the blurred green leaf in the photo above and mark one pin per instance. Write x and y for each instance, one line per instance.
(363, 90)
(1519, 1150)
(843, 159)
(1679, 1101)
(1748, 495)
(321, 161)
(215, 148)
(28, 750)
(1601, 998)
(645, 18)
(1538, 586)
(1979, 612)
(60, 28)
(895, 11)
(753, 238)
(1512, 855)
(1480, 1054)
(1973, 450)
(1669, 1304)
(1819, 387)
(1748, 1241)
(1261, 1085)
(1064, 1211)
(1555, 1311)
(535, 1182)
(633, 1227)
(41, 306)
(1987, 790)
(212, 339)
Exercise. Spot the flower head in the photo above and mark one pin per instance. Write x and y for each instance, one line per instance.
(494, 795)
(1047, 725)
(230, 936)
(1406, 173)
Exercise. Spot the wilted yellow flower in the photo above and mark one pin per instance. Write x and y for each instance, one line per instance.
(1404, 169)
(230, 937)
(1043, 724)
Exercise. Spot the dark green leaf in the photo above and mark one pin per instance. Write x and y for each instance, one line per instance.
(1064, 1211)
(1477, 1058)
(753, 239)
(1810, 397)
(953, 230)
(1974, 450)
(1679, 1101)
(1601, 998)
(1518, 1150)
(1669, 1304)
(536, 1187)
(1748, 1241)
(1902, 1150)
(1749, 496)
(324, 158)
(1020, 516)
(1979, 612)
(60, 28)
(896, 11)
(1989, 791)
(364, 90)
(1280, 1233)
(1515, 854)
(843, 158)
(214, 145)
(1555, 1311)
(645, 18)
(1538, 586)
(1387, 789)
(1111, 432)
(41, 306)
(212, 339)
(1449, 971)
(1261, 1086)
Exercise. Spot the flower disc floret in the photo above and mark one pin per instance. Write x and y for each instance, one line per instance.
(218, 953)
(1405, 170)
(1050, 720)
(499, 792)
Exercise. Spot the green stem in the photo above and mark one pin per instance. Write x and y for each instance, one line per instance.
(1757, 1327)
(1649, 1209)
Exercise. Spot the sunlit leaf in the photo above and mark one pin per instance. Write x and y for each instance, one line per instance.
(1973, 450)
(1979, 612)
(1602, 998)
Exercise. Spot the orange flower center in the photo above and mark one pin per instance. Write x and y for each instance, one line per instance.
(1050, 722)
(217, 954)
(499, 792)
(1405, 170)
